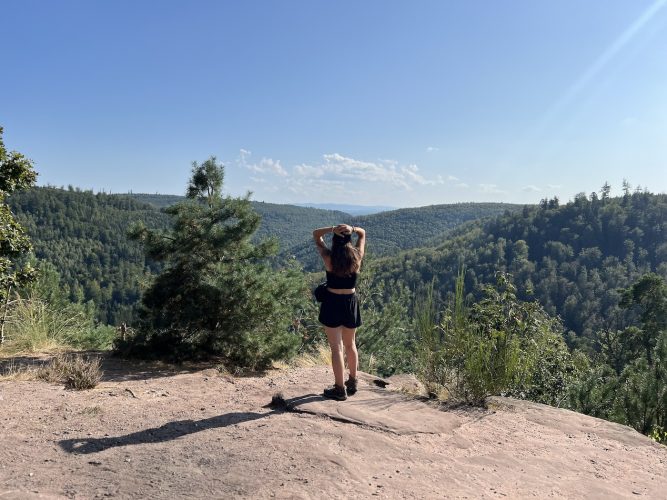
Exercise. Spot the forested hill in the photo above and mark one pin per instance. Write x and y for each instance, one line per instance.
(84, 235)
(572, 258)
(406, 228)
(388, 232)
(414, 227)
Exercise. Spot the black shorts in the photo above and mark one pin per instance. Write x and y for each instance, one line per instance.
(340, 310)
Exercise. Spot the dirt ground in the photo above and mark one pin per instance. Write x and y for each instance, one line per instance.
(154, 432)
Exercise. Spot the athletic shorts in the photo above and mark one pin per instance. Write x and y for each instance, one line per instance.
(340, 310)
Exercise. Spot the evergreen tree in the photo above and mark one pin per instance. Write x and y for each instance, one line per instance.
(650, 294)
(629, 382)
(216, 295)
(605, 191)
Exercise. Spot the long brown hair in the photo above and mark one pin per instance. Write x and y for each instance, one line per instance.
(345, 258)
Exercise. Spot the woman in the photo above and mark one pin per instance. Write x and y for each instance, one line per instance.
(339, 312)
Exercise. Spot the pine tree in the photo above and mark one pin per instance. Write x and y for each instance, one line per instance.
(216, 295)
(650, 295)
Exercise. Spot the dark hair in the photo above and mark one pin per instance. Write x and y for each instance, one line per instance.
(345, 258)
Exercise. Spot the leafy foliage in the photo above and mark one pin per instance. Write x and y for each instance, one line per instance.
(498, 346)
(628, 381)
(386, 341)
(16, 173)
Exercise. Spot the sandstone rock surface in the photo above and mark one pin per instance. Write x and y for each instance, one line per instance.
(160, 433)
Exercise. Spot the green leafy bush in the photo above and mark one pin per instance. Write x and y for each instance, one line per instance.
(498, 346)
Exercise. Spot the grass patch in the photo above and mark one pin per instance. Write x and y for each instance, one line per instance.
(35, 325)
(319, 356)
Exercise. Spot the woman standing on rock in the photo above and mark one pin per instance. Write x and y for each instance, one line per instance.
(339, 312)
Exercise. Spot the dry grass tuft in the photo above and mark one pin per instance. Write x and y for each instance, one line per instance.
(320, 357)
(76, 372)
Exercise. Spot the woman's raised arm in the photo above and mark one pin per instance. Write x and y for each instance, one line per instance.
(319, 240)
(361, 238)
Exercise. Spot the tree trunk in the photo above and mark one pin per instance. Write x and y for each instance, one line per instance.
(4, 315)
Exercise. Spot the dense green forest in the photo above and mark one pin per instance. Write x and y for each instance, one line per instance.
(573, 258)
(84, 235)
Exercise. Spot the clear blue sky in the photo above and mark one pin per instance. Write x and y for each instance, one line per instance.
(401, 103)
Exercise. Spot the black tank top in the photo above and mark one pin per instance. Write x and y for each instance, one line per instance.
(344, 282)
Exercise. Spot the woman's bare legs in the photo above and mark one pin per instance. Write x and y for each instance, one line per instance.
(351, 350)
(335, 342)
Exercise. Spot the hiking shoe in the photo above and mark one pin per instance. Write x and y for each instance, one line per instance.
(351, 385)
(336, 392)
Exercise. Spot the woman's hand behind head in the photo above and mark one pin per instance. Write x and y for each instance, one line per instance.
(343, 229)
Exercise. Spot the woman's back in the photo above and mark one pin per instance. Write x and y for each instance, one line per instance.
(342, 282)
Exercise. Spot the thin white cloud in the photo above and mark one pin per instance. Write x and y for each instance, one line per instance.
(387, 161)
(268, 166)
(265, 165)
(310, 185)
(350, 168)
(432, 149)
(336, 167)
(304, 170)
(462, 185)
(412, 174)
(490, 189)
(554, 186)
(337, 175)
(452, 178)
(531, 189)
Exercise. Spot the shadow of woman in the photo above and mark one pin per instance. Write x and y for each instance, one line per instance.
(179, 428)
